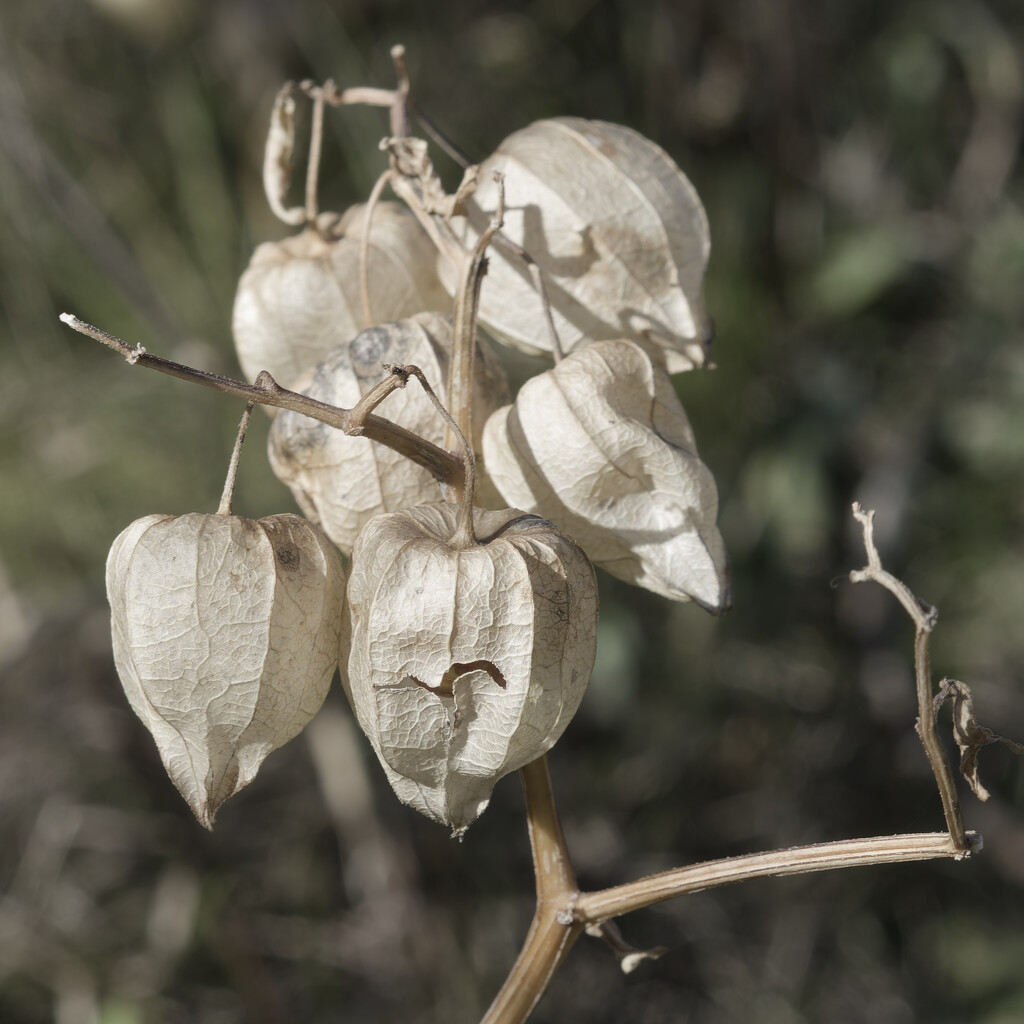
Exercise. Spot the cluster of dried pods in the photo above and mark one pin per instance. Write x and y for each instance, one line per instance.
(465, 635)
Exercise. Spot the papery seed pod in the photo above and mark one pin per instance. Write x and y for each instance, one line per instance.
(466, 663)
(226, 634)
(341, 481)
(617, 230)
(301, 296)
(601, 446)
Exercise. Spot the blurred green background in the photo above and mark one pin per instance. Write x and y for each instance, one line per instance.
(859, 165)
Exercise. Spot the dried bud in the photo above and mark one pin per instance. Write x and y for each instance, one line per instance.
(226, 635)
(601, 445)
(467, 663)
(300, 297)
(617, 230)
(341, 481)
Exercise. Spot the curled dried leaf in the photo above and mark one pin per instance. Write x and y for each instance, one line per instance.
(466, 663)
(601, 446)
(277, 157)
(342, 481)
(629, 957)
(226, 634)
(617, 230)
(970, 736)
(300, 297)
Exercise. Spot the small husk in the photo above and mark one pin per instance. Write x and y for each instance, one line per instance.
(617, 230)
(342, 481)
(301, 296)
(466, 663)
(601, 446)
(226, 634)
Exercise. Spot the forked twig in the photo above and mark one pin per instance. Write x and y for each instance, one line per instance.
(358, 421)
(924, 617)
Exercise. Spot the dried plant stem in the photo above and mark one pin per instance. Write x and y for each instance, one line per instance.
(553, 929)
(316, 138)
(360, 95)
(465, 535)
(228, 494)
(443, 465)
(847, 853)
(364, 246)
(551, 863)
(400, 105)
(437, 136)
(924, 618)
(562, 911)
(467, 301)
(504, 242)
(438, 230)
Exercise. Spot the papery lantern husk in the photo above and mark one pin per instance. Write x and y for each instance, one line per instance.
(300, 297)
(617, 230)
(601, 445)
(466, 663)
(226, 635)
(340, 481)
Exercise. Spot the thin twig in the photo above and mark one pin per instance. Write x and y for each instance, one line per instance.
(847, 853)
(316, 138)
(467, 301)
(442, 465)
(924, 617)
(400, 106)
(536, 276)
(228, 494)
(360, 95)
(364, 245)
(465, 535)
(438, 137)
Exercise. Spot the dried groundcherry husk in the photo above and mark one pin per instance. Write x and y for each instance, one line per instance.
(600, 444)
(341, 481)
(226, 635)
(301, 296)
(466, 663)
(617, 230)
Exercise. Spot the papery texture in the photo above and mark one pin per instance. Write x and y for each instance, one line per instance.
(226, 633)
(301, 296)
(617, 230)
(466, 664)
(341, 481)
(601, 446)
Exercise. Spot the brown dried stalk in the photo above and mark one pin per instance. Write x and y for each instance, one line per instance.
(358, 421)
(563, 912)
(467, 301)
(924, 617)
(553, 929)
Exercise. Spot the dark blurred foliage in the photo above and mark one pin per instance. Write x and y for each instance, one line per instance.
(859, 166)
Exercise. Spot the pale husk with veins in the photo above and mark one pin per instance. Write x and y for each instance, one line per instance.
(617, 230)
(341, 481)
(226, 635)
(601, 446)
(300, 297)
(466, 663)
